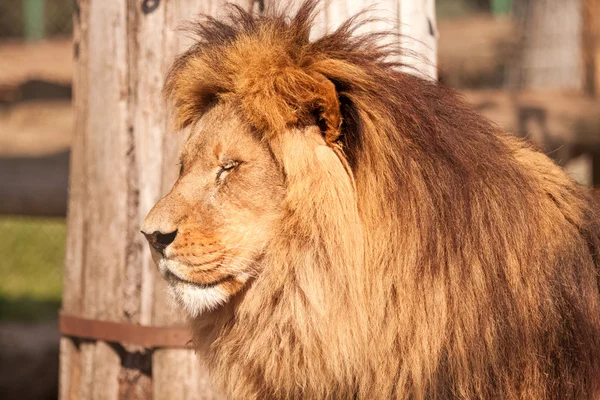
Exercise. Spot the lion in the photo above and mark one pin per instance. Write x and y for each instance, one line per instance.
(344, 230)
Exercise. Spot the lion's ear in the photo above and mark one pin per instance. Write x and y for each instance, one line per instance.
(327, 108)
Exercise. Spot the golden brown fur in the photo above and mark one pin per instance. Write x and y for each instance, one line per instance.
(402, 246)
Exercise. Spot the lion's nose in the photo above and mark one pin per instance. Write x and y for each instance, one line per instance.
(160, 240)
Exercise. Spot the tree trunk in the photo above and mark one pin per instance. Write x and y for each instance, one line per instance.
(549, 55)
(123, 161)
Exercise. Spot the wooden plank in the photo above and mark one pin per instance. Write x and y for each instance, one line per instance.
(146, 130)
(95, 259)
(71, 298)
(419, 35)
(107, 194)
(107, 366)
(411, 23)
(85, 382)
(70, 355)
(69, 369)
(181, 366)
(105, 155)
(383, 15)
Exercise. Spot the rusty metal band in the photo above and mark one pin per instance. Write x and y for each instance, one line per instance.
(145, 336)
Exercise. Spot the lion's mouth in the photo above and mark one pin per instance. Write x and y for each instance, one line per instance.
(172, 278)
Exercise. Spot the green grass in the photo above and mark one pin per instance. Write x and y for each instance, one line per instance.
(32, 252)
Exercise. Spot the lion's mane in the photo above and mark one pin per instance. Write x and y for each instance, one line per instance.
(433, 257)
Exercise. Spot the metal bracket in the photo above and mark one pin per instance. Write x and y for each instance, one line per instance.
(117, 332)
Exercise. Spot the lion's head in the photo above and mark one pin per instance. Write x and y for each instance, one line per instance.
(210, 231)
(341, 229)
(248, 151)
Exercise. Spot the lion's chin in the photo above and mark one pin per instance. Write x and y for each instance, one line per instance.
(195, 298)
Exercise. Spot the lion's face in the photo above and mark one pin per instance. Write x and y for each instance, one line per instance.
(209, 232)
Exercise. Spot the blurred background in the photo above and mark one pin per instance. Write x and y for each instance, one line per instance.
(36, 125)
(531, 66)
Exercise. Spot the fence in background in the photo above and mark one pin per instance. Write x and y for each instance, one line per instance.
(33, 179)
(35, 19)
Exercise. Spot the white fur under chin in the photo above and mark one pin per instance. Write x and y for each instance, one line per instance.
(193, 299)
(196, 300)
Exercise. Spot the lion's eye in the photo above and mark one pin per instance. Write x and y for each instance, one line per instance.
(225, 168)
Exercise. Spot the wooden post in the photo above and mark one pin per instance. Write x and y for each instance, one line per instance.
(123, 161)
(419, 30)
(413, 20)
